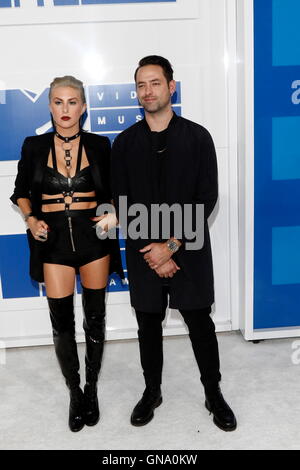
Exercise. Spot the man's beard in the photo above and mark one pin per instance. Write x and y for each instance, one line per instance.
(157, 106)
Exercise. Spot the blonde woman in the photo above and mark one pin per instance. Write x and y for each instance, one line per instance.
(62, 177)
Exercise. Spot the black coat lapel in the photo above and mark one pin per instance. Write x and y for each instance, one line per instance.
(41, 153)
(94, 158)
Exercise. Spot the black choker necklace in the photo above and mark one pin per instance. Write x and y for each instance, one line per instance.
(67, 147)
(67, 139)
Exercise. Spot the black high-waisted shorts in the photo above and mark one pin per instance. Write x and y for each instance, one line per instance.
(72, 239)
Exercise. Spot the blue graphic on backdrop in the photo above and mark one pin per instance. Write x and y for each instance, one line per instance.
(286, 32)
(15, 280)
(101, 96)
(56, 3)
(112, 108)
(22, 114)
(277, 164)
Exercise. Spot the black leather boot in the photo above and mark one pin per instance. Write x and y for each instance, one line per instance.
(63, 327)
(91, 404)
(223, 414)
(76, 409)
(151, 354)
(93, 302)
(143, 412)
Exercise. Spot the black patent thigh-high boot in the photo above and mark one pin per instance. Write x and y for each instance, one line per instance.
(93, 303)
(63, 327)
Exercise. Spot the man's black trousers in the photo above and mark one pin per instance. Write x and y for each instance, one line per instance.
(203, 338)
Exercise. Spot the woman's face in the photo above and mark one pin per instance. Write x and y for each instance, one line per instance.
(66, 107)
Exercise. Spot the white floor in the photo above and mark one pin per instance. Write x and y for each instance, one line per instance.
(260, 382)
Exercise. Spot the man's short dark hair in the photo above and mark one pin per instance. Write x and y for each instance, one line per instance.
(156, 60)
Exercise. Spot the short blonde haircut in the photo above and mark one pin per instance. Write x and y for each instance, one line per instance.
(68, 81)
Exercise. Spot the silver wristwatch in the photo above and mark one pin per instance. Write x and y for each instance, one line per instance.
(172, 245)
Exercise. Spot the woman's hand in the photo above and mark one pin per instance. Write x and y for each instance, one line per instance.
(105, 222)
(39, 229)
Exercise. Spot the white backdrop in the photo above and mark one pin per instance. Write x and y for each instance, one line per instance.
(101, 44)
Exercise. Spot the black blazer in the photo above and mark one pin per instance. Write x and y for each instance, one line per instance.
(28, 184)
(190, 178)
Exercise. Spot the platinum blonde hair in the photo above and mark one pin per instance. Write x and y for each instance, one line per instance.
(68, 81)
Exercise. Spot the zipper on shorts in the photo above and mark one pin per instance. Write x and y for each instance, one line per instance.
(71, 233)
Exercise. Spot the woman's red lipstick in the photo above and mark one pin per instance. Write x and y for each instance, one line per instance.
(66, 118)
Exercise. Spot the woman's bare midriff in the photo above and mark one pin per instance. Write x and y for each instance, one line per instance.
(73, 206)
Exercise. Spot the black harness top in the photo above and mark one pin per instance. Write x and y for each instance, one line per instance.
(55, 183)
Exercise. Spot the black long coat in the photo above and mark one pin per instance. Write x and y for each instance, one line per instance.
(28, 184)
(191, 178)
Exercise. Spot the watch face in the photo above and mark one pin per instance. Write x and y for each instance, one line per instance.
(172, 246)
